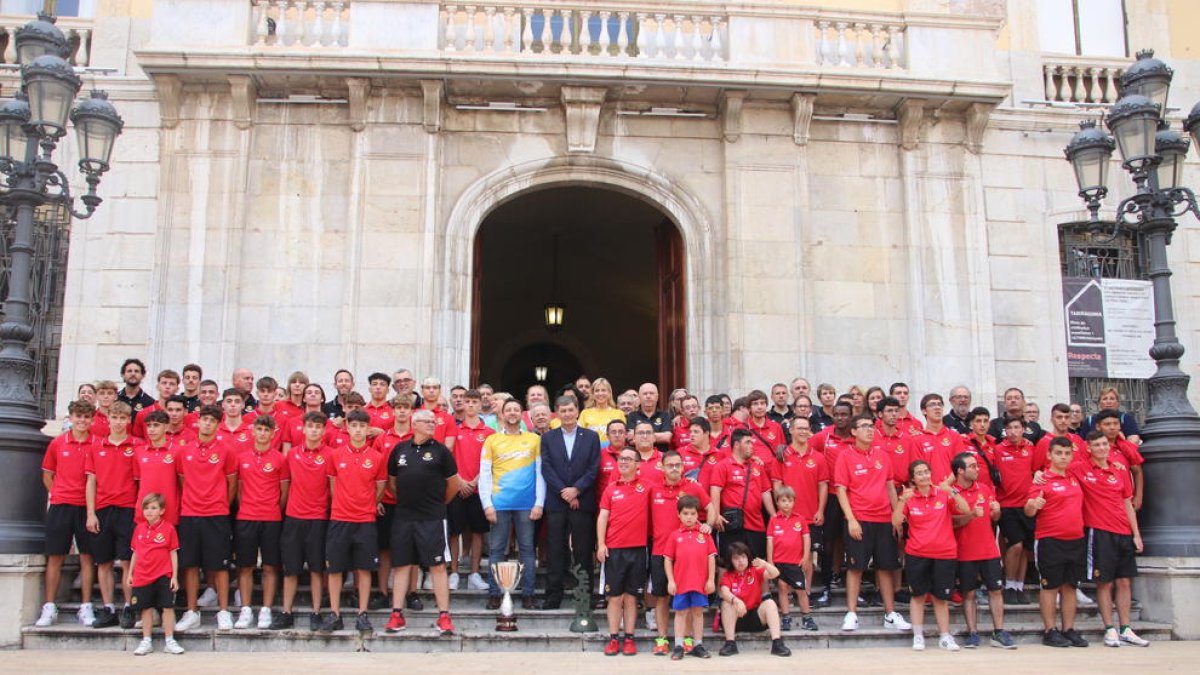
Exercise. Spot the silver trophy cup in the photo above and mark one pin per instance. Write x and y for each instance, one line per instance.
(507, 575)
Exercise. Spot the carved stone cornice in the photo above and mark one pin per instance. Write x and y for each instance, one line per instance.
(911, 114)
(731, 114)
(582, 109)
(802, 114)
(242, 89)
(432, 109)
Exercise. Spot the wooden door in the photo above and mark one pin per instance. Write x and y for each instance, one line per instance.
(672, 321)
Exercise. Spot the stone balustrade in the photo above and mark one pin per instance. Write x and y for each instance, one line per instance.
(301, 23)
(858, 44)
(1081, 80)
(659, 31)
(78, 33)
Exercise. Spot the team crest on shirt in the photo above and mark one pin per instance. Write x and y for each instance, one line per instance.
(810, 463)
(639, 487)
(1112, 478)
(242, 437)
(712, 459)
(480, 438)
(899, 449)
(946, 442)
(402, 460)
(159, 538)
(127, 451)
(700, 537)
(771, 435)
(1024, 452)
(755, 472)
(214, 459)
(319, 460)
(137, 406)
(878, 465)
(939, 505)
(427, 456)
(268, 467)
(367, 463)
(168, 459)
(797, 526)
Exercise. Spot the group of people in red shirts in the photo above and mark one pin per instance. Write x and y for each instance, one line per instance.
(736, 504)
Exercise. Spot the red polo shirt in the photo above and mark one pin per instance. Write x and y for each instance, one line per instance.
(664, 510)
(628, 514)
(381, 414)
(650, 471)
(240, 438)
(866, 475)
(67, 459)
(733, 479)
(986, 449)
(804, 474)
(1104, 493)
(689, 551)
(977, 539)
(157, 470)
(260, 479)
(114, 466)
(937, 449)
(1041, 455)
(786, 534)
(827, 442)
(355, 472)
(1015, 464)
(746, 586)
(930, 528)
(152, 544)
(138, 426)
(382, 444)
(1062, 516)
(308, 493)
(205, 468)
(468, 447)
(607, 472)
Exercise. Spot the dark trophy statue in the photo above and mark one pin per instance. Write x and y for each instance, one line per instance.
(583, 622)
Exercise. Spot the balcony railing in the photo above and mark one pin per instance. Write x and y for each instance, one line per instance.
(1082, 80)
(78, 32)
(301, 23)
(858, 44)
(533, 29)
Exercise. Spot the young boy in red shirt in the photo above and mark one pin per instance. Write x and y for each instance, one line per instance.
(743, 607)
(63, 475)
(622, 529)
(690, 560)
(1059, 549)
(789, 548)
(153, 573)
(111, 496)
(306, 517)
(357, 476)
(263, 481)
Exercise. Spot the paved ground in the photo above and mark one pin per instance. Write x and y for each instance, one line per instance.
(1161, 657)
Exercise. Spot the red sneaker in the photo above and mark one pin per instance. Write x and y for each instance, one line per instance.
(612, 648)
(396, 623)
(956, 598)
(630, 648)
(444, 624)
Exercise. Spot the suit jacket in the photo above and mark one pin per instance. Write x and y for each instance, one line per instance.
(579, 472)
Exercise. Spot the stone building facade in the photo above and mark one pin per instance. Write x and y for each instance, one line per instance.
(301, 184)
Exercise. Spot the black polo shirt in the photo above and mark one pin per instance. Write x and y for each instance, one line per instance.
(421, 472)
(138, 401)
(1033, 430)
(659, 419)
(782, 419)
(957, 423)
(333, 409)
(819, 420)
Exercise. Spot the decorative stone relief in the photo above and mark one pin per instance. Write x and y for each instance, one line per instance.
(911, 114)
(170, 90)
(360, 91)
(432, 90)
(582, 106)
(241, 87)
(731, 114)
(802, 113)
(977, 121)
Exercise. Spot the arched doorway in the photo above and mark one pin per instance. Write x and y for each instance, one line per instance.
(620, 275)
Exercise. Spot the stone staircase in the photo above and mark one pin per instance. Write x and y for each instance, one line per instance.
(539, 630)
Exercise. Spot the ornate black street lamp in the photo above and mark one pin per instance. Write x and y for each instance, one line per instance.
(31, 125)
(1153, 155)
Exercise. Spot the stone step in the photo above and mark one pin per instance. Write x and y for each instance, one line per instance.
(473, 617)
(423, 639)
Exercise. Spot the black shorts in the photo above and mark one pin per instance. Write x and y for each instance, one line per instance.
(154, 595)
(757, 541)
(878, 543)
(835, 521)
(792, 575)
(816, 534)
(418, 542)
(383, 527)
(466, 515)
(625, 571)
(930, 575)
(1060, 561)
(988, 574)
(350, 546)
(116, 531)
(205, 542)
(301, 542)
(66, 523)
(252, 538)
(750, 623)
(658, 576)
(1016, 527)
(1110, 556)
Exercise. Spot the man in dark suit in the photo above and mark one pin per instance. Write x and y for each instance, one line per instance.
(570, 460)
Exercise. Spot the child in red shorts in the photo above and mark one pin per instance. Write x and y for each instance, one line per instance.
(154, 573)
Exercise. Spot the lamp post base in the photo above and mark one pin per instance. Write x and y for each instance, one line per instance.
(22, 496)
(1167, 588)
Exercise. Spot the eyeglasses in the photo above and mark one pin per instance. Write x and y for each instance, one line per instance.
(869, 427)
(627, 459)
(643, 432)
(673, 465)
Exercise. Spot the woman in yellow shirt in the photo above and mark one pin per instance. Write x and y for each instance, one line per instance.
(600, 410)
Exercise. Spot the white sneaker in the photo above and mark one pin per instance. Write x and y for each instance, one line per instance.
(947, 642)
(49, 615)
(245, 618)
(1111, 638)
(651, 620)
(918, 642)
(144, 647)
(208, 598)
(850, 622)
(264, 618)
(172, 647)
(452, 581)
(1131, 638)
(86, 614)
(189, 620)
(225, 619)
(1082, 599)
(475, 582)
(895, 621)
